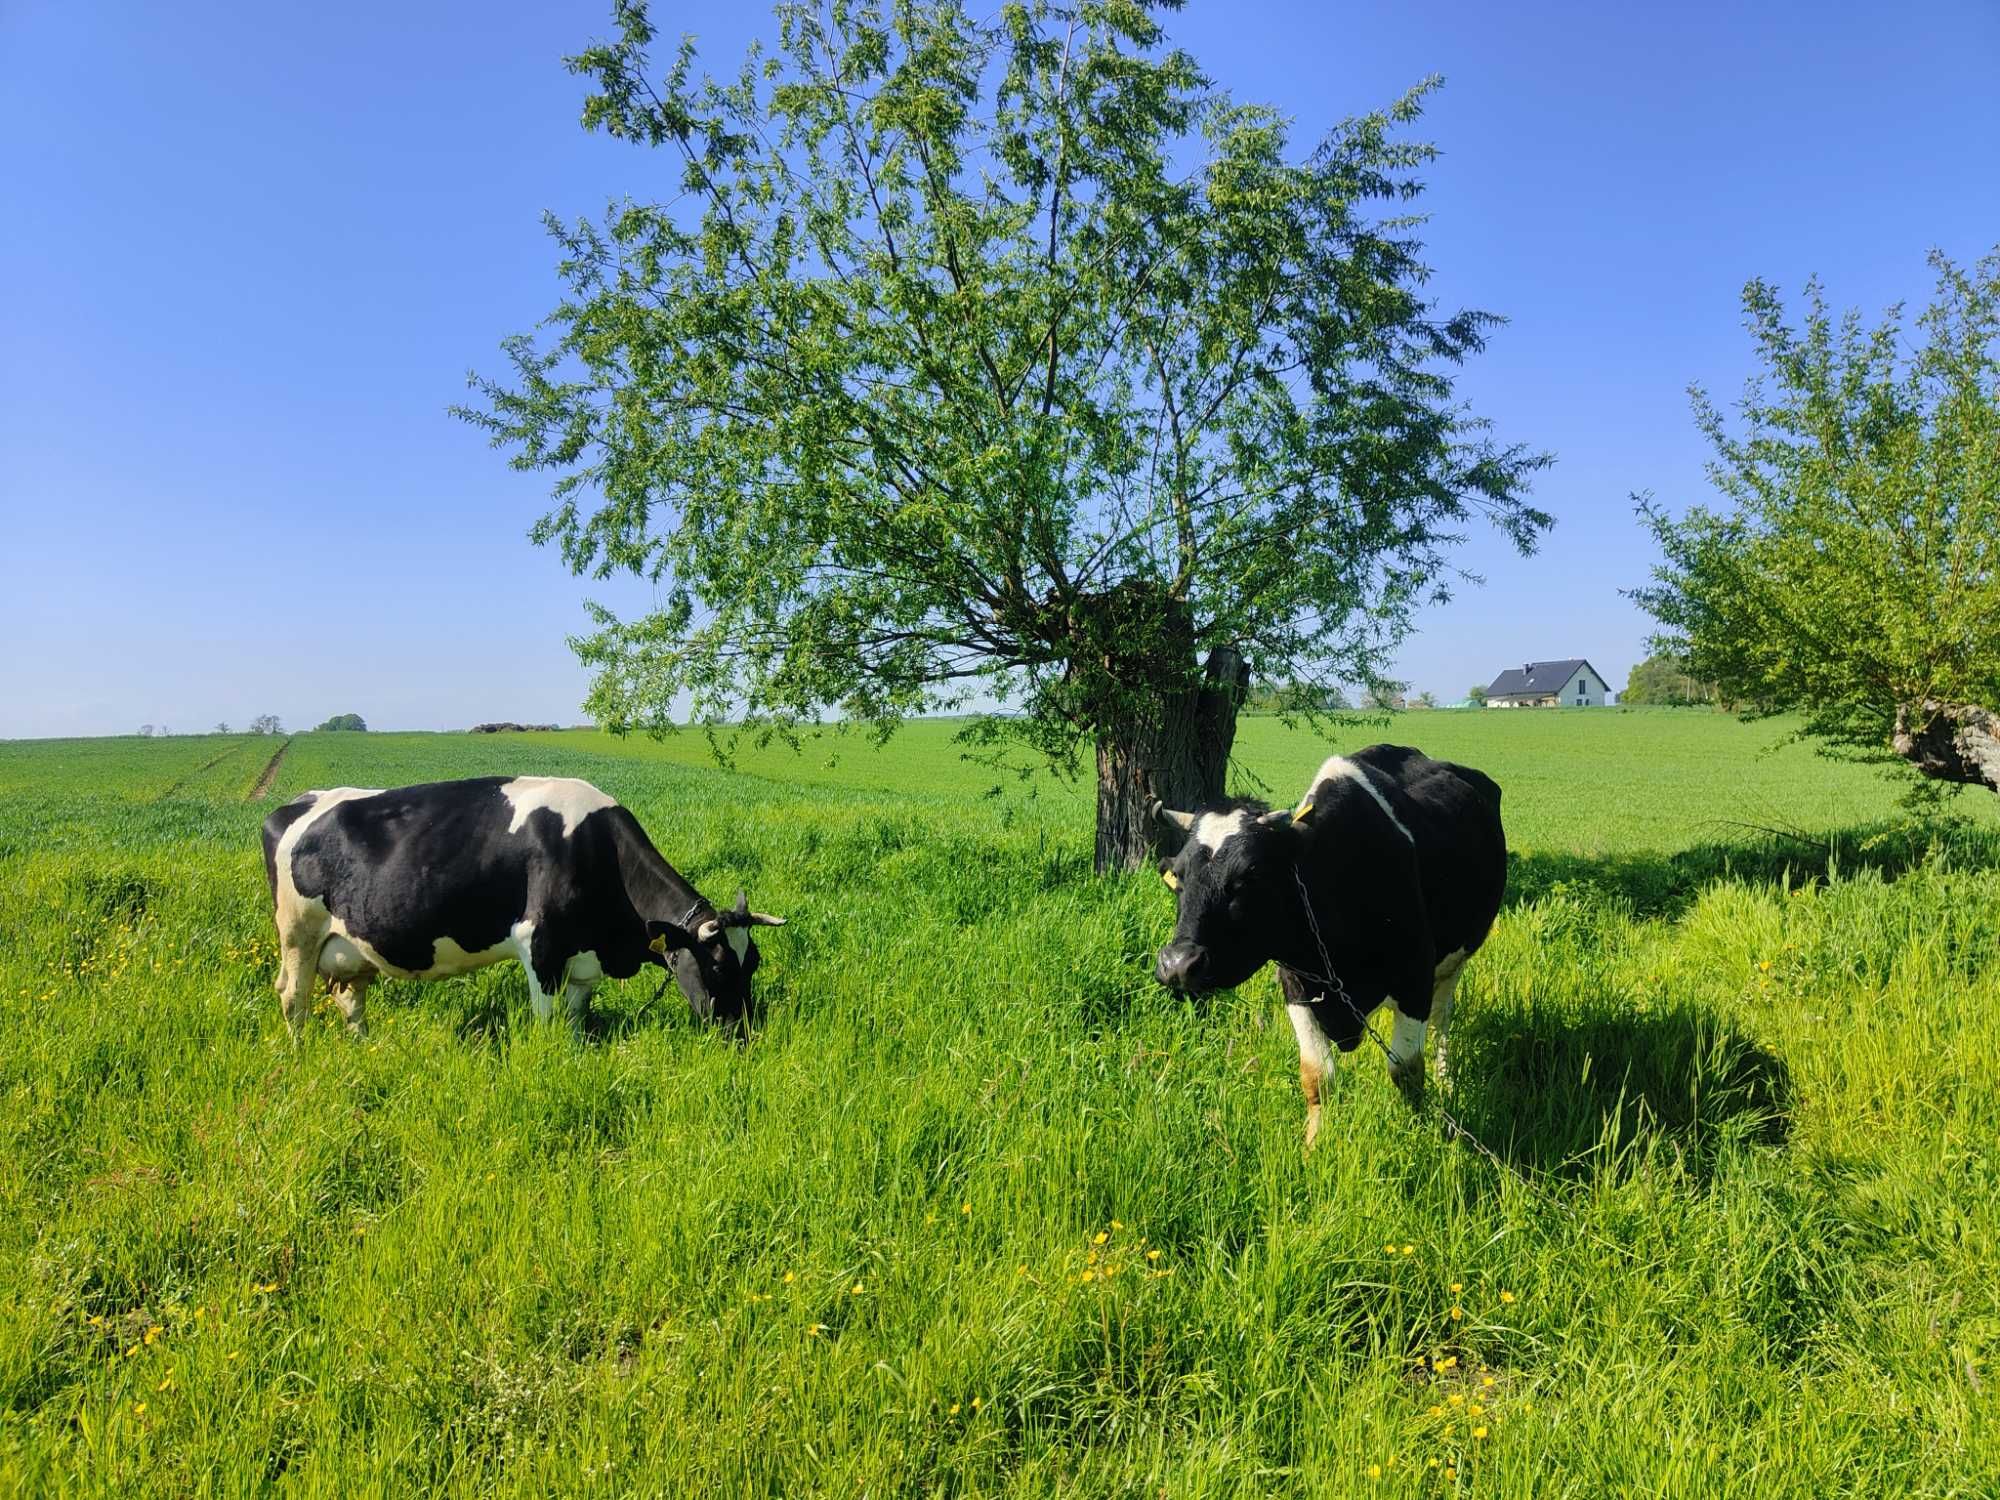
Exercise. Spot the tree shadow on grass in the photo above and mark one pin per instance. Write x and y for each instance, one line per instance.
(1573, 1091)
(1666, 885)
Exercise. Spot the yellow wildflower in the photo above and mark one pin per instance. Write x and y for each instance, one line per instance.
(975, 1403)
(1099, 1238)
(138, 1408)
(1152, 1255)
(815, 1330)
(1488, 1380)
(1506, 1296)
(1457, 1287)
(1087, 1276)
(1116, 1225)
(789, 1278)
(1457, 1313)
(1374, 1471)
(1479, 1432)
(857, 1289)
(954, 1410)
(1409, 1249)
(965, 1208)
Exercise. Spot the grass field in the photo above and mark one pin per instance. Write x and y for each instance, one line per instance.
(980, 1210)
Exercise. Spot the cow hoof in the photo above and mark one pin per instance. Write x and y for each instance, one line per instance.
(1312, 1128)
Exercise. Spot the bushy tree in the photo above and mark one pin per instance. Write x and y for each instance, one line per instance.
(222, 727)
(1477, 693)
(999, 356)
(1662, 680)
(266, 724)
(1852, 573)
(350, 722)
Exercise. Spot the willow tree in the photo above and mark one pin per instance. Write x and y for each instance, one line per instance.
(961, 362)
(1852, 574)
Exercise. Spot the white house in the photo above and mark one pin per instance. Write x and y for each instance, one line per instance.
(1548, 684)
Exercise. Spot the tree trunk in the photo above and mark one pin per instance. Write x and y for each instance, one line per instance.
(1176, 750)
(1948, 741)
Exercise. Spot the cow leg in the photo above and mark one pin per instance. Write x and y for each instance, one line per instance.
(1406, 1038)
(1443, 990)
(1315, 1051)
(1406, 1054)
(298, 971)
(580, 982)
(352, 997)
(576, 1003)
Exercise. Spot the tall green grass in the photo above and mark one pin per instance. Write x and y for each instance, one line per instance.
(980, 1210)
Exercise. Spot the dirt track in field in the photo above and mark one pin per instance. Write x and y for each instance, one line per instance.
(207, 765)
(263, 787)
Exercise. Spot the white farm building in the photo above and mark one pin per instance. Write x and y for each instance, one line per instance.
(1548, 684)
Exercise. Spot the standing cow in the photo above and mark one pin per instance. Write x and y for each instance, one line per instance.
(1381, 885)
(424, 882)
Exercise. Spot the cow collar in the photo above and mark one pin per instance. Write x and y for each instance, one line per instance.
(1331, 976)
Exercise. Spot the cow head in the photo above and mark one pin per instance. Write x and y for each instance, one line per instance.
(712, 958)
(1238, 900)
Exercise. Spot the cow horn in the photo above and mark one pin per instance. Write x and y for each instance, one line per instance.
(709, 931)
(1276, 819)
(1184, 821)
(744, 917)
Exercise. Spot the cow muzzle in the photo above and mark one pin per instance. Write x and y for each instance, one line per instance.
(1183, 967)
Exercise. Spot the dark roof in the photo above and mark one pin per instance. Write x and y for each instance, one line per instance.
(1538, 678)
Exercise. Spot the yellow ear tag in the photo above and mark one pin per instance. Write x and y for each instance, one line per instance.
(659, 945)
(1304, 808)
(1173, 884)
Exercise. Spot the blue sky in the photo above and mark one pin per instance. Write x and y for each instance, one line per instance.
(251, 253)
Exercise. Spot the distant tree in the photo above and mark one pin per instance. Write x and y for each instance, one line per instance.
(1385, 696)
(1477, 693)
(222, 727)
(1426, 699)
(1853, 575)
(146, 731)
(345, 722)
(1662, 680)
(976, 353)
(1296, 698)
(266, 724)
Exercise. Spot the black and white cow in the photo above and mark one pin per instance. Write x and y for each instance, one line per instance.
(1396, 861)
(424, 882)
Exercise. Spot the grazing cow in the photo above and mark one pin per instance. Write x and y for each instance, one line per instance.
(424, 882)
(1382, 883)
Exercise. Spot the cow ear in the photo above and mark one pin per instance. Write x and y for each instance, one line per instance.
(667, 937)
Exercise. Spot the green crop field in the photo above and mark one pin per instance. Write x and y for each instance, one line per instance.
(980, 1210)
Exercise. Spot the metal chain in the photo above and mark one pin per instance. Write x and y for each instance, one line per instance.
(1361, 1017)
